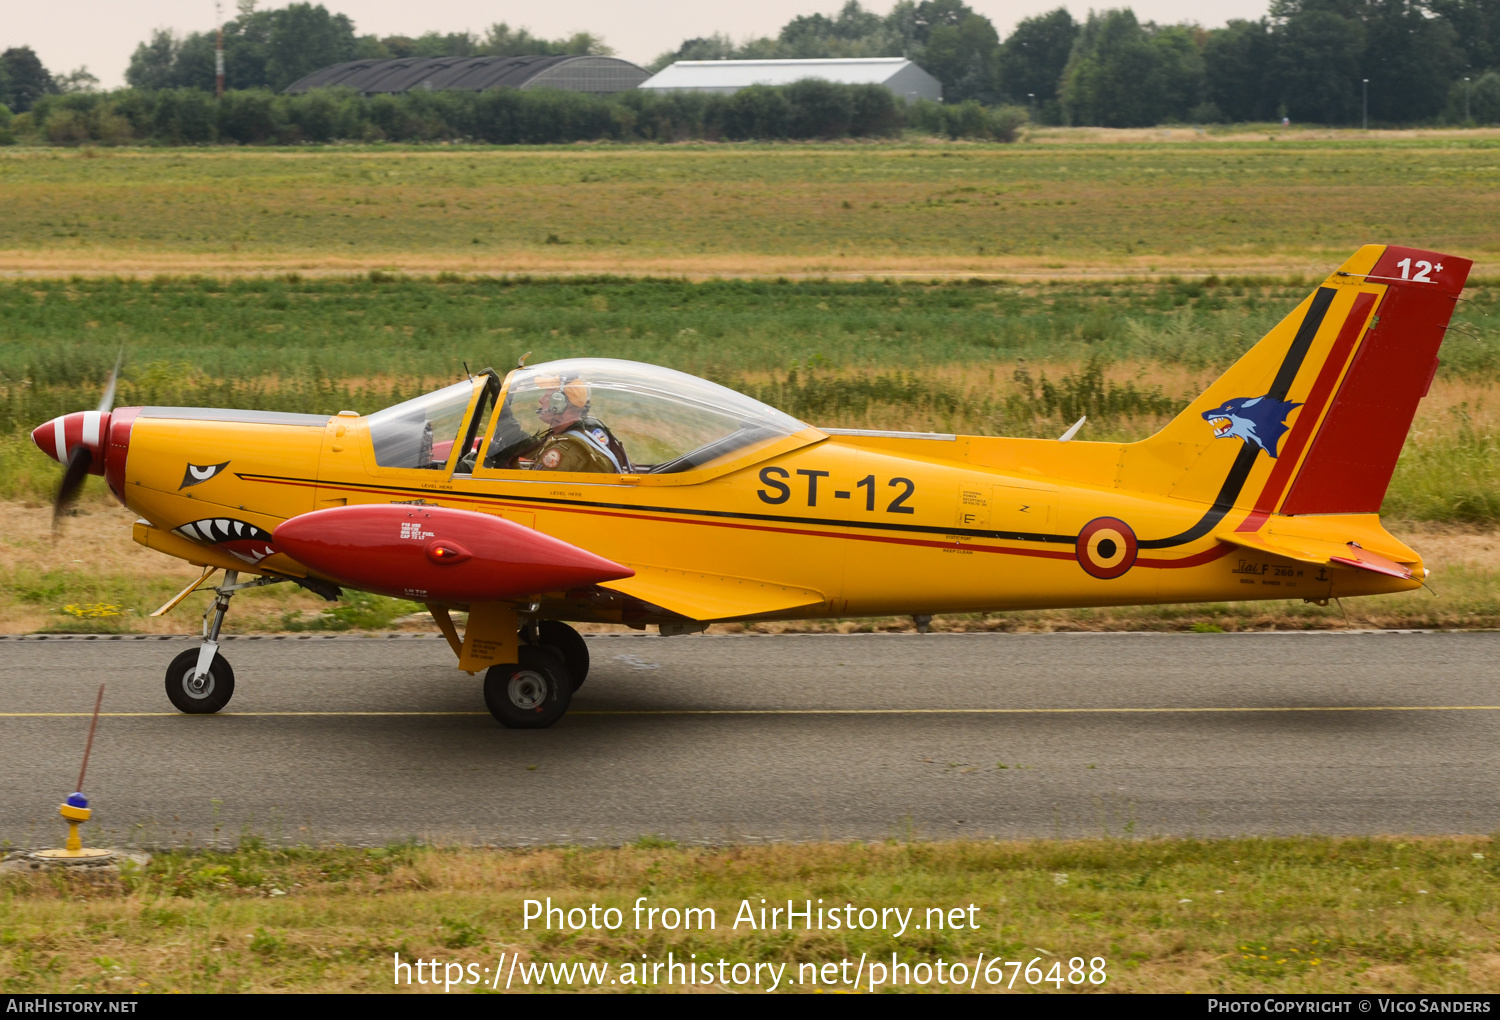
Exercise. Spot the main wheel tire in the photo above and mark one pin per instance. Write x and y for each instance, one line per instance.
(531, 694)
(215, 693)
(570, 645)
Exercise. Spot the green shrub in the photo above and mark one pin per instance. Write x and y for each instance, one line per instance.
(806, 109)
(966, 120)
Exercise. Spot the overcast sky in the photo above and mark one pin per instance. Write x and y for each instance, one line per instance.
(101, 34)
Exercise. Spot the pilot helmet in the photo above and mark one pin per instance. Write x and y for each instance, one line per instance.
(564, 393)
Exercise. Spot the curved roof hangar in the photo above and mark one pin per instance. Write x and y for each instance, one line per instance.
(476, 74)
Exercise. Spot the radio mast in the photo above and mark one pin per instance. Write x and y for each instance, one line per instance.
(219, 54)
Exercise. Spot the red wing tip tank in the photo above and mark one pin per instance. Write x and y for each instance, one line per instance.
(438, 554)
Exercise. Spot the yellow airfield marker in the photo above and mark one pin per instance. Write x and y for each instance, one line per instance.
(75, 810)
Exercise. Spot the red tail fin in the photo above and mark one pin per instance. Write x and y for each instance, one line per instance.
(1353, 454)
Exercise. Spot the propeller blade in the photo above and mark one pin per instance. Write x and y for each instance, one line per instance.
(107, 402)
(78, 468)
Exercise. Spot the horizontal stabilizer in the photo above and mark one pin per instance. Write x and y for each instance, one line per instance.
(1321, 551)
(712, 596)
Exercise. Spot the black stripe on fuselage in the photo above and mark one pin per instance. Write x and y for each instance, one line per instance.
(1234, 482)
(1011, 536)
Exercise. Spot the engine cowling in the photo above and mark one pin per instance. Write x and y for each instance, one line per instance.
(437, 554)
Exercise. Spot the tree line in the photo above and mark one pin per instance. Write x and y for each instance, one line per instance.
(802, 110)
(1306, 60)
(1313, 61)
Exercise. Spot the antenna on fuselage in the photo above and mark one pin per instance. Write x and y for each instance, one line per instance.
(467, 372)
(521, 361)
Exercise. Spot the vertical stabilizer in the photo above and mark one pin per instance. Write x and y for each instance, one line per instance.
(1312, 418)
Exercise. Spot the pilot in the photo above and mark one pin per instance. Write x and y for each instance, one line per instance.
(573, 440)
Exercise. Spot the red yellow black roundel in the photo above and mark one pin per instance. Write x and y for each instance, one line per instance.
(1106, 547)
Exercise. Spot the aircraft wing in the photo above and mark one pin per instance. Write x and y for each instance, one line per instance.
(712, 596)
(1323, 552)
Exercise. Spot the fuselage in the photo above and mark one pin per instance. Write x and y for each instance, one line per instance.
(809, 525)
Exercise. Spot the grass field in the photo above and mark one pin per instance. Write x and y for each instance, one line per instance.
(1266, 915)
(1237, 204)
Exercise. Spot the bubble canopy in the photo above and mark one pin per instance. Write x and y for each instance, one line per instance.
(667, 421)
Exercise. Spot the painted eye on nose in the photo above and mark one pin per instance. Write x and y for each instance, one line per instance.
(196, 474)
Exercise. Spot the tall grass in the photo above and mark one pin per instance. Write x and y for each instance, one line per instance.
(1449, 472)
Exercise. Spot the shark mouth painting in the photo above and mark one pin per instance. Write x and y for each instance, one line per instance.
(244, 541)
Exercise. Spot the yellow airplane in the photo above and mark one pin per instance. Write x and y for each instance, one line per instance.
(603, 490)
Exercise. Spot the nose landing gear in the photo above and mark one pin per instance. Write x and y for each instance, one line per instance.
(200, 681)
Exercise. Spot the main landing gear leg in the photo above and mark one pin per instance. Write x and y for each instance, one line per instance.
(528, 683)
(200, 681)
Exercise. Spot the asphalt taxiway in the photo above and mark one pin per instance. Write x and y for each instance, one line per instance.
(708, 738)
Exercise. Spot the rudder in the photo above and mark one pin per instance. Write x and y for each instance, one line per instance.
(1353, 453)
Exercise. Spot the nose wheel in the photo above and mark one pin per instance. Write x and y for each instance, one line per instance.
(195, 692)
(200, 681)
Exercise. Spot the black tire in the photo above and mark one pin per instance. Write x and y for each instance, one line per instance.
(531, 694)
(570, 644)
(216, 692)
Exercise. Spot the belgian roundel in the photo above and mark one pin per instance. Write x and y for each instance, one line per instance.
(1106, 547)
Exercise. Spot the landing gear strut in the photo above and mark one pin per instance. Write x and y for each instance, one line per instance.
(548, 661)
(200, 681)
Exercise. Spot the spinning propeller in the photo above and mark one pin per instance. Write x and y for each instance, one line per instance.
(83, 452)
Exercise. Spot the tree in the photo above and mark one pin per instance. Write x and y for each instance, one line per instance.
(152, 63)
(1183, 81)
(1116, 77)
(1033, 59)
(502, 41)
(1237, 63)
(77, 80)
(1410, 60)
(1484, 99)
(429, 44)
(929, 14)
(304, 39)
(247, 43)
(853, 32)
(962, 57)
(262, 49)
(1476, 26)
(26, 80)
(1317, 66)
(852, 23)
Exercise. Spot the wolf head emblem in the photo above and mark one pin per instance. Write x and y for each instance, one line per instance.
(1259, 421)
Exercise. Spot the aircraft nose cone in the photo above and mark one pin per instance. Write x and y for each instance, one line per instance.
(59, 437)
(50, 438)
